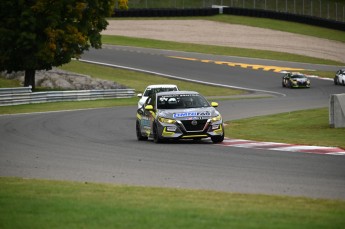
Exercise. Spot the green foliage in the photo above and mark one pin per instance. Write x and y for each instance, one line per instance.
(36, 35)
(123, 4)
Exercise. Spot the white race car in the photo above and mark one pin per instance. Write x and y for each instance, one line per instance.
(339, 78)
(152, 89)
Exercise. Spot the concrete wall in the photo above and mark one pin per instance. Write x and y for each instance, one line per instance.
(337, 111)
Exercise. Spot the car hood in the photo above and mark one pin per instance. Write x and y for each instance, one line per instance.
(190, 113)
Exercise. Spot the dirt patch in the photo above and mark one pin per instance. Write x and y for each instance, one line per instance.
(223, 34)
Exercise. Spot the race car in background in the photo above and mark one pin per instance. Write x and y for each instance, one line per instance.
(295, 80)
(151, 89)
(179, 115)
(339, 78)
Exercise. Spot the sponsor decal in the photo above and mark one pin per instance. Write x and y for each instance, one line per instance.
(191, 114)
(194, 118)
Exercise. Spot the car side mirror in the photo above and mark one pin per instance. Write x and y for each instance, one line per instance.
(214, 104)
(140, 95)
(149, 107)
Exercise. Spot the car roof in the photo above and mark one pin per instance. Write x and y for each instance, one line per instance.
(177, 93)
(161, 86)
(297, 73)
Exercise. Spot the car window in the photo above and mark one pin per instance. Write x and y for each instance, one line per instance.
(151, 100)
(151, 91)
(297, 76)
(181, 101)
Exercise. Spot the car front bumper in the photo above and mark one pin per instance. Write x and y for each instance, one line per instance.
(179, 130)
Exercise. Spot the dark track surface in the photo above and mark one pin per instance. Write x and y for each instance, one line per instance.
(100, 145)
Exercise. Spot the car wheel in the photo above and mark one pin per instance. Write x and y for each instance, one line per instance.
(335, 81)
(140, 137)
(290, 84)
(343, 82)
(283, 85)
(156, 137)
(217, 139)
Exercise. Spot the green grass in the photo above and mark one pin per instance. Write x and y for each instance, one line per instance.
(309, 127)
(323, 74)
(131, 79)
(27, 203)
(139, 81)
(59, 106)
(7, 83)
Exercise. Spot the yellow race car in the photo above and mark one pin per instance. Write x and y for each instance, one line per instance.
(179, 115)
(295, 80)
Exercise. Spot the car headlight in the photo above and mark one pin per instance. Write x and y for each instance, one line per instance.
(217, 118)
(166, 120)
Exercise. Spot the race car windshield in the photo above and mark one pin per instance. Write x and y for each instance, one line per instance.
(298, 77)
(181, 101)
(151, 91)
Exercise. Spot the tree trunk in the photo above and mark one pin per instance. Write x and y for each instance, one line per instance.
(29, 78)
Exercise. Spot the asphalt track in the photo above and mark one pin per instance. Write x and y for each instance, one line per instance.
(99, 145)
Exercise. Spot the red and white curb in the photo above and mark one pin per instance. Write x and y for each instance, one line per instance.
(283, 147)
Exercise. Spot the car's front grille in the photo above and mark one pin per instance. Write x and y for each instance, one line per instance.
(194, 125)
(302, 83)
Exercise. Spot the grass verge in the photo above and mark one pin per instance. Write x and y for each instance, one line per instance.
(7, 83)
(139, 81)
(60, 106)
(28, 203)
(309, 127)
(131, 79)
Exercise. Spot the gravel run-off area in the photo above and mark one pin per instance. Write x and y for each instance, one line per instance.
(230, 35)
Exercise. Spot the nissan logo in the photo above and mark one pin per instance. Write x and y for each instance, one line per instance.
(194, 122)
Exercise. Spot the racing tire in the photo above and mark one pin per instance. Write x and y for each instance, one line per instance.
(156, 137)
(290, 85)
(140, 137)
(336, 81)
(217, 139)
(283, 85)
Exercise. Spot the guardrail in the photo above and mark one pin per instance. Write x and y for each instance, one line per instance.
(15, 90)
(24, 95)
(165, 12)
(326, 9)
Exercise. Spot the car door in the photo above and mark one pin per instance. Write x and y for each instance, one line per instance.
(148, 115)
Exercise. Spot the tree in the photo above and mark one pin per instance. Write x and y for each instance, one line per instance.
(40, 34)
(123, 4)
